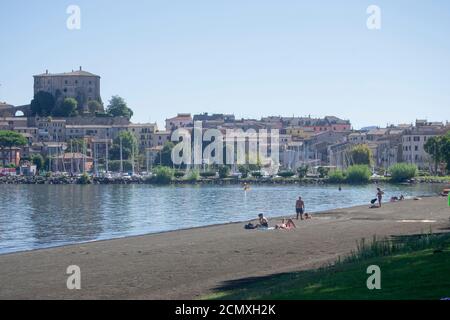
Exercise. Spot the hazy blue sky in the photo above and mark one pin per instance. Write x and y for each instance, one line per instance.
(252, 58)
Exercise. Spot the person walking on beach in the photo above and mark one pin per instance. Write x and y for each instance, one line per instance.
(380, 194)
(300, 208)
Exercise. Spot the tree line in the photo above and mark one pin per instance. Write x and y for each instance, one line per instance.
(45, 104)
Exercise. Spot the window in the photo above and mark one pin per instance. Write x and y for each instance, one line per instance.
(416, 148)
(416, 139)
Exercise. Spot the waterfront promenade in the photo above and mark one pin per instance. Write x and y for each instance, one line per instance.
(191, 263)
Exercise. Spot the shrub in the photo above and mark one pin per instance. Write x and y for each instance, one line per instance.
(193, 175)
(257, 174)
(358, 174)
(337, 176)
(163, 175)
(208, 174)
(224, 172)
(302, 171)
(286, 174)
(323, 172)
(244, 170)
(179, 174)
(84, 179)
(401, 172)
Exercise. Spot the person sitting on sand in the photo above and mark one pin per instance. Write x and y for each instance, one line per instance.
(308, 216)
(263, 221)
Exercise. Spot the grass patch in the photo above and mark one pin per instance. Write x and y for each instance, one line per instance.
(412, 267)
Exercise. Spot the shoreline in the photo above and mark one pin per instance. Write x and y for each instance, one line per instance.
(66, 180)
(191, 263)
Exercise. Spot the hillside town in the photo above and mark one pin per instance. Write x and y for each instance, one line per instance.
(77, 134)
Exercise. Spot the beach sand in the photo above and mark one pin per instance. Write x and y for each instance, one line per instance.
(191, 263)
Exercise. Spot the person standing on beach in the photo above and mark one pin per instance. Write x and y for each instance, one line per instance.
(300, 208)
(380, 194)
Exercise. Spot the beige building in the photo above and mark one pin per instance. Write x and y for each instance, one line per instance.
(414, 140)
(80, 85)
(182, 120)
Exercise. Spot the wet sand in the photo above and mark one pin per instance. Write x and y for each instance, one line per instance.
(191, 263)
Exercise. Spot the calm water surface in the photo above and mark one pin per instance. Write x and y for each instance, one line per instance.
(41, 216)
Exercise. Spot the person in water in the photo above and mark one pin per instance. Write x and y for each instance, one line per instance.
(263, 221)
(380, 194)
(300, 208)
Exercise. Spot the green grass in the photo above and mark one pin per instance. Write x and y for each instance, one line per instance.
(411, 268)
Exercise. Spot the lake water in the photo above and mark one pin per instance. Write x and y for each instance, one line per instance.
(41, 216)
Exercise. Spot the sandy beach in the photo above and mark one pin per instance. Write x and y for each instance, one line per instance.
(191, 263)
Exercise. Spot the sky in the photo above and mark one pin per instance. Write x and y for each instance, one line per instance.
(252, 58)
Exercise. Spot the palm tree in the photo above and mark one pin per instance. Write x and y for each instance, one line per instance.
(433, 148)
(9, 140)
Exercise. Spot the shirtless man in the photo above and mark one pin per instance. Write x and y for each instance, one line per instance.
(300, 208)
(380, 194)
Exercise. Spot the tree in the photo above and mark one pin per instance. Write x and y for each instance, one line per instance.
(118, 108)
(9, 140)
(361, 154)
(439, 149)
(75, 145)
(445, 149)
(129, 144)
(38, 161)
(42, 104)
(433, 148)
(68, 108)
(302, 171)
(95, 106)
(224, 171)
(165, 156)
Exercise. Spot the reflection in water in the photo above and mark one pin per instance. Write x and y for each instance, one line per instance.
(39, 216)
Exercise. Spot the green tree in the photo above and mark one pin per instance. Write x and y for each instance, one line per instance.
(439, 149)
(42, 104)
(361, 154)
(302, 171)
(164, 158)
(9, 140)
(224, 172)
(38, 161)
(323, 172)
(118, 108)
(75, 145)
(95, 106)
(129, 144)
(67, 108)
(445, 149)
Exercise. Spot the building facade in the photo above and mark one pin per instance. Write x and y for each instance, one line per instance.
(80, 85)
